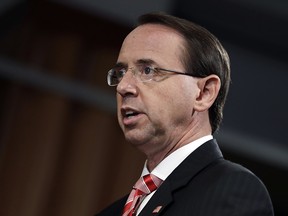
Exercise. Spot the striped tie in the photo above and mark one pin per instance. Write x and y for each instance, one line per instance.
(145, 185)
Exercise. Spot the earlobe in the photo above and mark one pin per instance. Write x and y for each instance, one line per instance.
(209, 88)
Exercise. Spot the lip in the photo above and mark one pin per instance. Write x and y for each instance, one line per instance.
(130, 120)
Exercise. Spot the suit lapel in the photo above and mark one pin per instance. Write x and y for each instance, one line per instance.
(188, 169)
(160, 200)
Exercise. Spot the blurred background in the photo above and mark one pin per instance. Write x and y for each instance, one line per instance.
(61, 150)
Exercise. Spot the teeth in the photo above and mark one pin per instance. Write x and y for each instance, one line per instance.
(130, 114)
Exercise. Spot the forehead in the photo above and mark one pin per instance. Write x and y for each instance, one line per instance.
(152, 41)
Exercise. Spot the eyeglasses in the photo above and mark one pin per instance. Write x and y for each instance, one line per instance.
(143, 73)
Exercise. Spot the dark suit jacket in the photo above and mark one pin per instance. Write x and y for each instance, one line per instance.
(206, 184)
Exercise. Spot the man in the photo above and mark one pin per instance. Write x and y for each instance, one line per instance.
(172, 78)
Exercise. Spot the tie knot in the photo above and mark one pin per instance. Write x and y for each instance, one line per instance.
(148, 183)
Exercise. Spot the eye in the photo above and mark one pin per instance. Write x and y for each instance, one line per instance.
(121, 72)
(148, 70)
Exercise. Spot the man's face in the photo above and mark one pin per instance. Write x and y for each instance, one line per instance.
(157, 114)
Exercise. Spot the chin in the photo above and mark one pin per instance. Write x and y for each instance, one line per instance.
(134, 139)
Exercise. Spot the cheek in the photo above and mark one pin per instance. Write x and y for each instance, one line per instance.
(176, 100)
(119, 104)
(164, 102)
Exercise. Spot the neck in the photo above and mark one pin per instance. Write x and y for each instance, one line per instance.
(154, 159)
(176, 139)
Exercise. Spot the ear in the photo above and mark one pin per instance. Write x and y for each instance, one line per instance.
(209, 88)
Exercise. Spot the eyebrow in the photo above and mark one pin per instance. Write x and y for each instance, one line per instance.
(120, 65)
(145, 61)
(139, 61)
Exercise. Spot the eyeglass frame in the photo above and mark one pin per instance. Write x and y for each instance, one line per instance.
(109, 74)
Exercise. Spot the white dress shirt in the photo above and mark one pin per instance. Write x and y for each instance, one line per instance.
(168, 164)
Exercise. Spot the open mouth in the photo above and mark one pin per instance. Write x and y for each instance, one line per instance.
(130, 114)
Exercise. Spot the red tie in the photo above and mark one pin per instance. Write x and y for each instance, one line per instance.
(145, 185)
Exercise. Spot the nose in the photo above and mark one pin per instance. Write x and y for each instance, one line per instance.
(127, 85)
